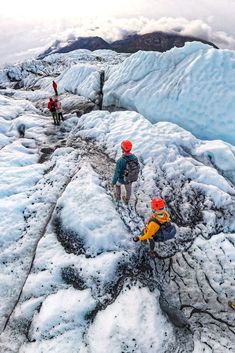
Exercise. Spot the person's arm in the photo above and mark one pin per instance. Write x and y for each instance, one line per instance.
(150, 230)
(118, 171)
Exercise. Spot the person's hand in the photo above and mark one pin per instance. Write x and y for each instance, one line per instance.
(135, 239)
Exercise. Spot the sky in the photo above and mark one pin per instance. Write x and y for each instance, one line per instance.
(27, 28)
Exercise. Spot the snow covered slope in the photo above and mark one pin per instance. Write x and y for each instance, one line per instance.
(193, 87)
(40, 73)
(72, 279)
(87, 271)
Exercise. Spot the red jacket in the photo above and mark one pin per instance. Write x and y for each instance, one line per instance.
(50, 103)
(54, 85)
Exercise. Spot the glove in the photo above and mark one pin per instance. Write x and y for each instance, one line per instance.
(135, 239)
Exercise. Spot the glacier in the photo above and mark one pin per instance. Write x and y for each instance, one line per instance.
(71, 277)
(191, 86)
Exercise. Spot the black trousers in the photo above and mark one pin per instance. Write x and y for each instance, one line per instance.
(151, 244)
(60, 115)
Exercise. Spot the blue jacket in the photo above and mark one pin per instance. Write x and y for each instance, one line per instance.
(120, 167)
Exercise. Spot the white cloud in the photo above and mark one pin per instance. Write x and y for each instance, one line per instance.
(30, 31)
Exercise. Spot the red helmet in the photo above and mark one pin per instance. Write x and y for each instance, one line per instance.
(126, 145)
(158, 204)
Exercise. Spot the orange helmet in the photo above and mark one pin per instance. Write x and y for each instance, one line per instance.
(126, 145)
(158, 204)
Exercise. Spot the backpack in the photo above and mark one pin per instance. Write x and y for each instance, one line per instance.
(131, 170)
(53, 109)
(166, 232)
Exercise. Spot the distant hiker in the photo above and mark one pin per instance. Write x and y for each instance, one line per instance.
(158, 228)
(54, 84)
(59, 110)
(52, 106)
(126, 172)
(21, 130)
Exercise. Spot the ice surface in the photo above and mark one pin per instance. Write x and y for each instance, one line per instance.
(64, 242)
(191, 86)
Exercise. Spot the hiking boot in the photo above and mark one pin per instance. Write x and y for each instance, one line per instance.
(118, 203)
(231, 303)
(116, 199)
(152, 253)
(124, 199)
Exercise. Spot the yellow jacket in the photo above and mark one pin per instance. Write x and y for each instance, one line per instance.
(152, 228)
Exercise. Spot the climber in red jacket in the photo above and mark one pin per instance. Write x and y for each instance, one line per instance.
(52, 106)
(54, 84)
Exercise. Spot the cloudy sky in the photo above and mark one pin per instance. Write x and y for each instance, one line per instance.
(28, 27)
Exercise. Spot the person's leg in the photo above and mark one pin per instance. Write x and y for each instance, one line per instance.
(151, 244)
(58, 115)
(61, 116)
(128, 192)
(54, 117)
(152, 253)
(57, 118)
(118, 192)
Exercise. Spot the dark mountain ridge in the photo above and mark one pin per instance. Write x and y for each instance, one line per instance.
(155, 41)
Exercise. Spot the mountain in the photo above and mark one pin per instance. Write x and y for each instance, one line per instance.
(156, 41)
(90, 43)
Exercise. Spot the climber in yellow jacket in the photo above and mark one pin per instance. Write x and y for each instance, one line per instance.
(159, 217)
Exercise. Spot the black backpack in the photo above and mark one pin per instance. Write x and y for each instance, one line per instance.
(166, 232)
(52, 109)
(131, 170)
